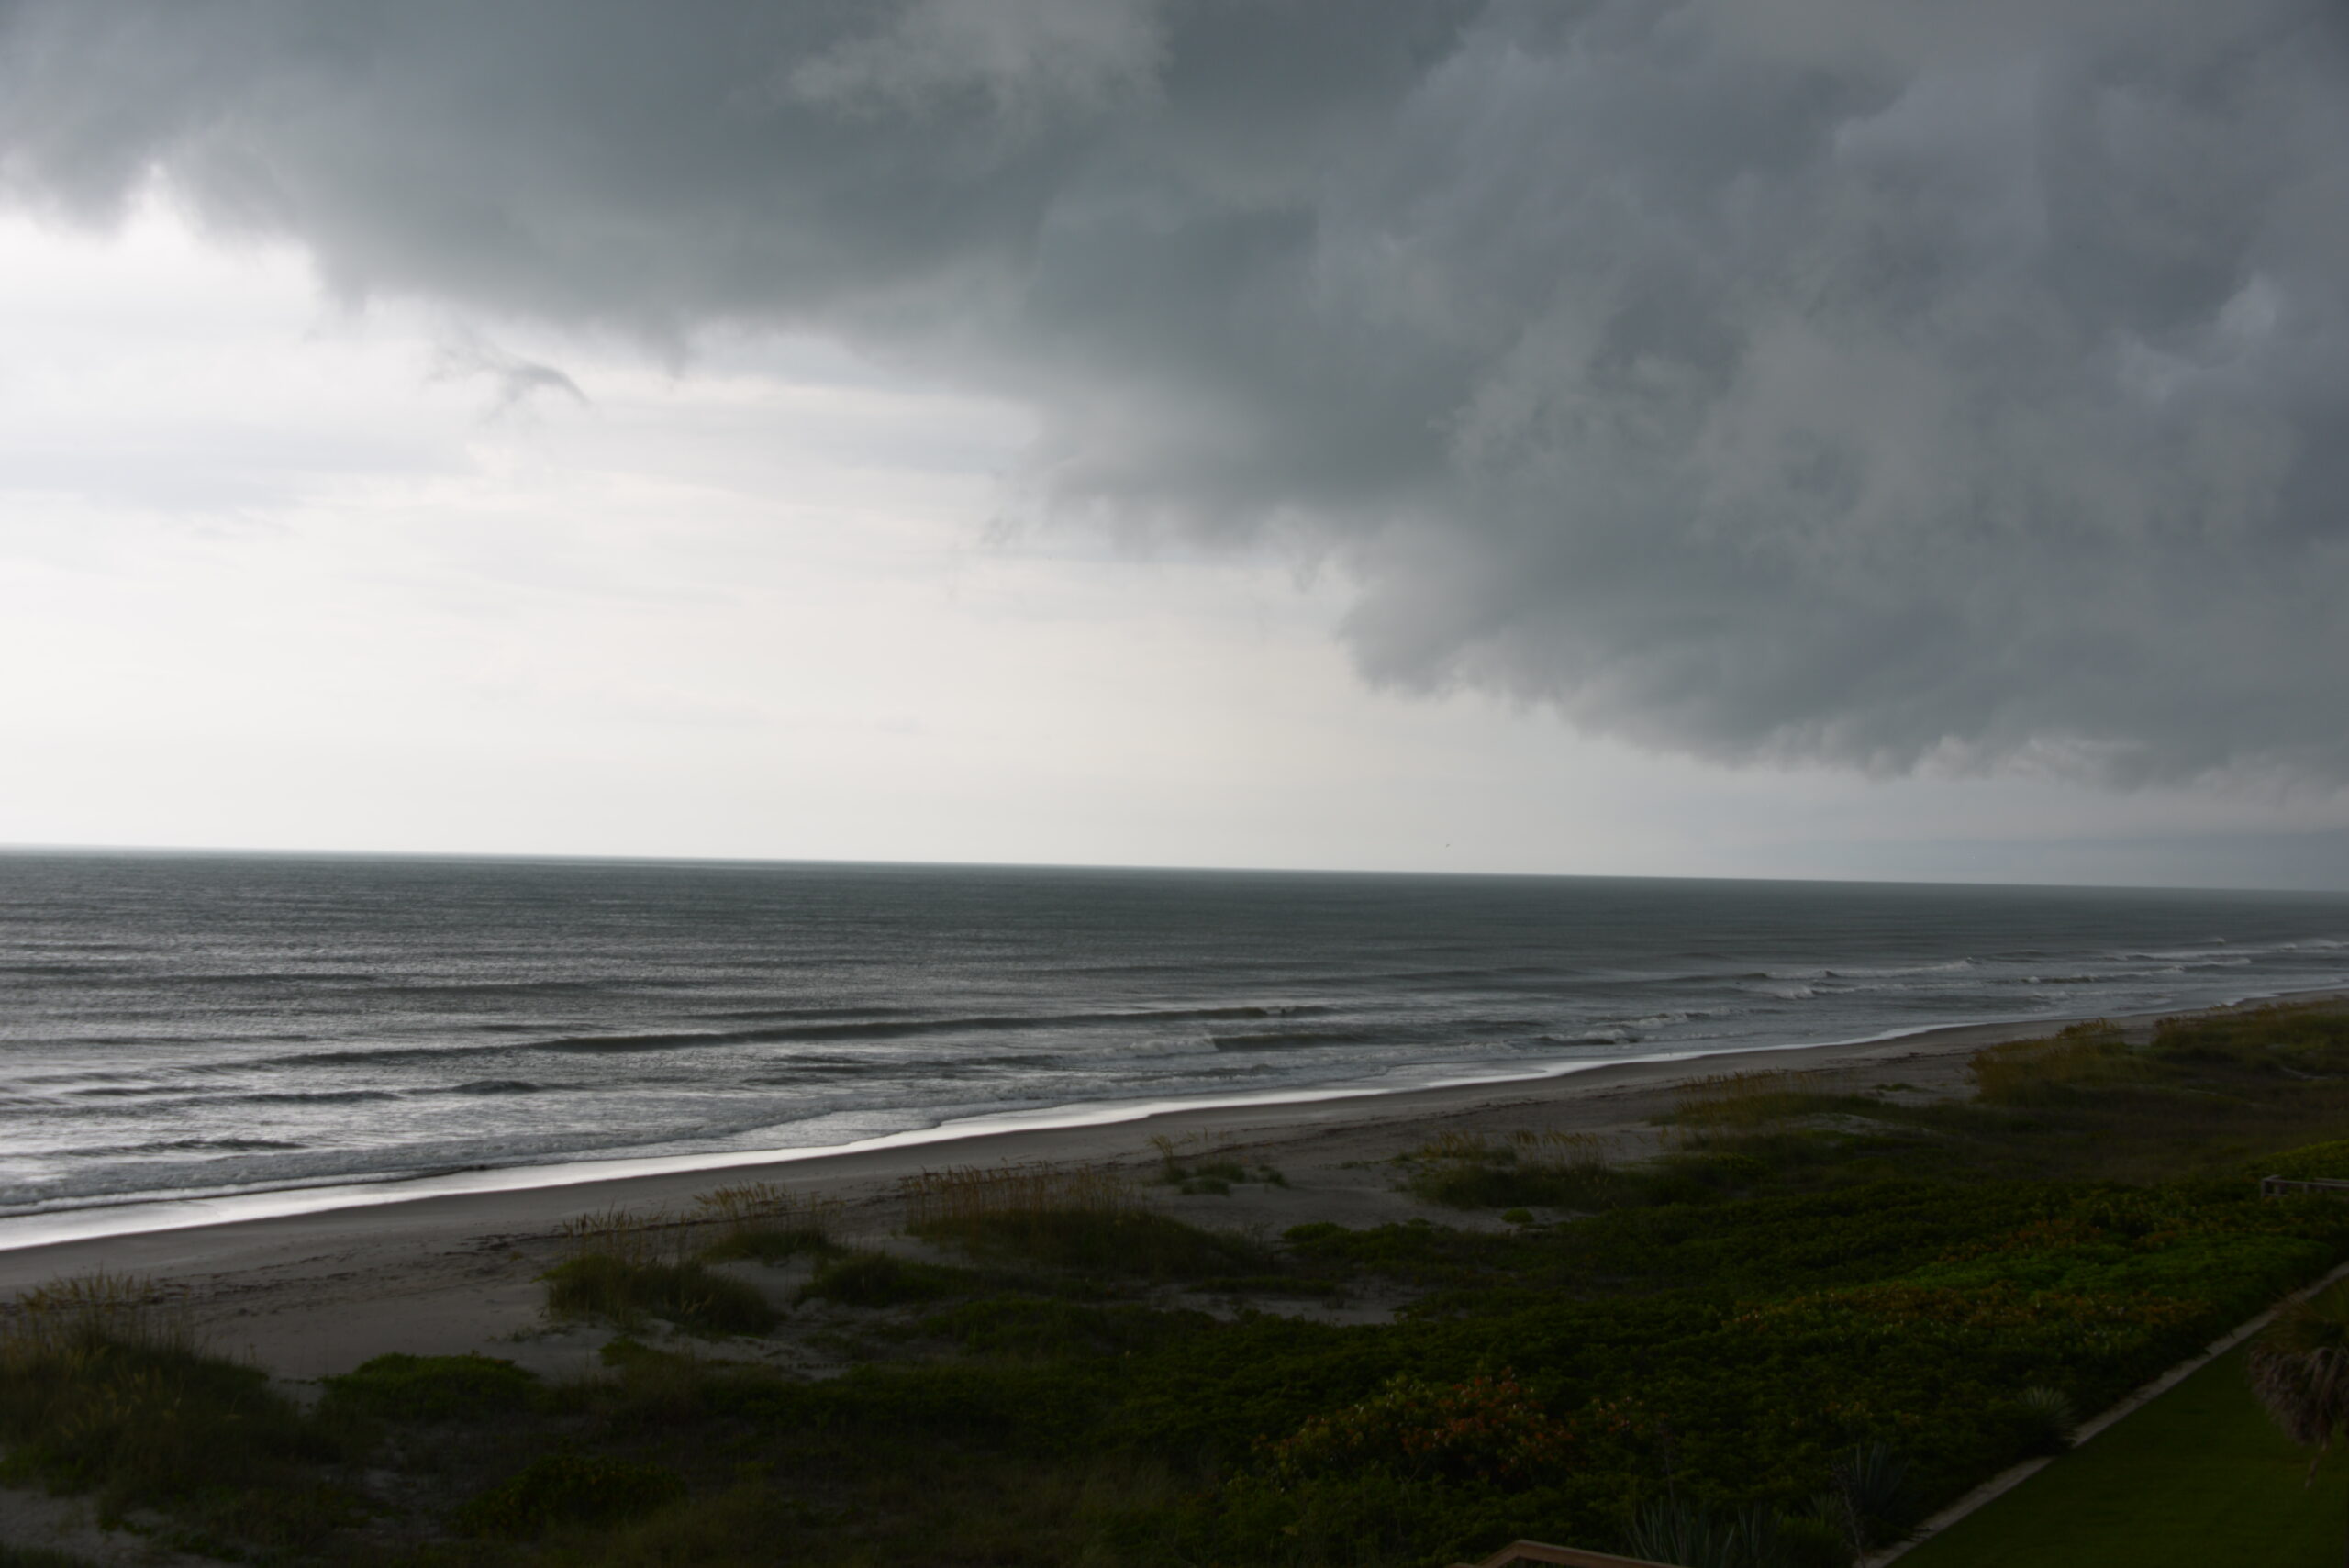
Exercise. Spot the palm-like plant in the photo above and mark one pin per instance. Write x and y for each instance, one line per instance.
(2299, 1370)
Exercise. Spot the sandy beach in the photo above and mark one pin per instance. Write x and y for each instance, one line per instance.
(307, 1295)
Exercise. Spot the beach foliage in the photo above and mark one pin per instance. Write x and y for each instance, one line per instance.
(1757, 1098)
(2048, 1417)
(959, 1196)
(1085, 1219)
(630, 1267)
(569, 1489)
(2052, 1071)
(434, 1388)
(105, 1390)
(629, 1293)
(881, 1279)
(763, 1220)
(2317, 1162)
(1481, 1428)
(2283, 1040)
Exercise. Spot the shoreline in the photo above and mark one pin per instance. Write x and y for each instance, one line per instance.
(309, 1294)
(143, 1215)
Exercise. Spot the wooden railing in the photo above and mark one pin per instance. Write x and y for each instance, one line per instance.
(2276, 1187)
(1574, 1557)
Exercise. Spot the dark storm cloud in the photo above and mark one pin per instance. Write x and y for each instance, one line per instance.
(1876, 383)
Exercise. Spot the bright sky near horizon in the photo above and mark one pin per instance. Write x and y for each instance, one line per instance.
(321, 529)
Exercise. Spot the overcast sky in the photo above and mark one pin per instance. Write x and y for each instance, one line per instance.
(1738, 437)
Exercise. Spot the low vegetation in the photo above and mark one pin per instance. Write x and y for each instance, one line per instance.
(628, 1269)
(104, 1392)
(569, 1489)
(762, 1220)
(433, 1389)
(1817, 1310)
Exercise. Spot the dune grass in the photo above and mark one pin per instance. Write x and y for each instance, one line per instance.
(2198, 1478)
(628, 1293)
(103, 1390)
(2046, 1072)
(1754, 1098)
(763, 1221)
(627, 1267)
(1082, 1219)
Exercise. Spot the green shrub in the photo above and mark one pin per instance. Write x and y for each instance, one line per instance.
(2047, 1418)
(1676, 1530)
(1876, 1488)
(626, 1293)
(765, 1221)
(2312, 1163)
(569, 1489)
(434, 1388)
(1485, 1428)
(878, 1279)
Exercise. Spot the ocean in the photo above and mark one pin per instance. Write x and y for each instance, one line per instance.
(180, 1025)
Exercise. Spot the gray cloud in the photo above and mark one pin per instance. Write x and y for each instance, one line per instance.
(1884, 383)
(514, 380)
